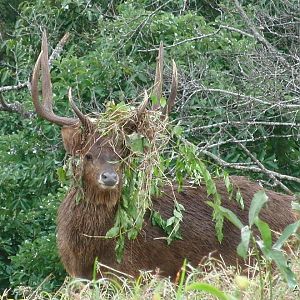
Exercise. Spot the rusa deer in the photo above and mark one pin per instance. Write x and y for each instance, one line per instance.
(79, 224)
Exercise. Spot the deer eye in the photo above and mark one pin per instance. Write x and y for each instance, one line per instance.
(89, 157)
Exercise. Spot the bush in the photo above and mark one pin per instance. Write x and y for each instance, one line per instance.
(37, 262)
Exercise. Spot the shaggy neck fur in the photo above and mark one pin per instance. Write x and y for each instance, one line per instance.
(96, 196)
(93, 214)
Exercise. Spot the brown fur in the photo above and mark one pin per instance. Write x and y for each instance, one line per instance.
(80, 226)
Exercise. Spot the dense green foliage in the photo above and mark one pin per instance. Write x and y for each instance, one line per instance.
(8, 16)
(232, 87)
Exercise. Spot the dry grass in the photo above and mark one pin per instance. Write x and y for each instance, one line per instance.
(242, 285)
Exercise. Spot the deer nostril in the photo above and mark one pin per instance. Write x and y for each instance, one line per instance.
(109, 178)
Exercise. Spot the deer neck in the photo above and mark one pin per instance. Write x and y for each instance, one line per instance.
(107, 199)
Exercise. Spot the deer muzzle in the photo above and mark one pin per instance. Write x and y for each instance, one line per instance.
(108, 179)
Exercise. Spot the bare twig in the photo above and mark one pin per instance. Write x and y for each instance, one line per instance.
(247, 97)
(231, 141)
(15, 107)
(261, 166)
(242, 167)
(236, 123)
(256, 33)
(200, 37)
(252, 27)
(193, 39)
(144, 22)
(242, 32)
(59, 48)
(18, 86)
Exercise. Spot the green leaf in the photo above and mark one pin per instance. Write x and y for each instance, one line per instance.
(265, 232)
(4, 76)
(281, 263)
(62, 175)
(218, 218)
(113, 232)
(163, 102)
(136, 143)
(180, 289)
(205, 287)
(239, 199)
(142, 77)
(170, 221)
(132, 233)
(228, 184)
(232, 217)
(287, 232)
(120, 248)
(177, 131)
(154, 100)
(258, 201)
(95, 268)
(157, 220)
(242, 248)
(296, 206)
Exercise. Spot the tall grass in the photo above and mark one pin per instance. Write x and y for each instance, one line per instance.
(212, 279)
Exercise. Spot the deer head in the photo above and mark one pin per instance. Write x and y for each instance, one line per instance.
(101, 159)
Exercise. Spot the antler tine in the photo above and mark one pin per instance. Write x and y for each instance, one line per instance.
(173, 91)
(143, 105)
(157, 90)
(34, 86)
(45, 109)
(82, 117)
(46, 78)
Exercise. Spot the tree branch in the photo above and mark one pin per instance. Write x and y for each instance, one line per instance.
(241, 167)
(18, 86)
(15, 107)
(200, 37)
(143, 24)
(259, 37)
(247, 97)
(59, 48)
(237, 30)
(261, 166)
(196, 38)
(254, 123)
(231, 141)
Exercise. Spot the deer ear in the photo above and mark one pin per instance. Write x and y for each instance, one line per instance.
(71, 136)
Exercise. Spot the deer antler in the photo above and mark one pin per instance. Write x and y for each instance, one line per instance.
(83, 118)
(45, 108)
(158, 82)
(143, 105)
(173, 92)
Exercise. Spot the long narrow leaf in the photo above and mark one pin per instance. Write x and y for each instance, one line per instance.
(287, 232)
(296, 206)
(258, 201)
(181, 280)
(281, 263)
(228, 214)
(265, 232)
(205, 287)
(243, 246)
